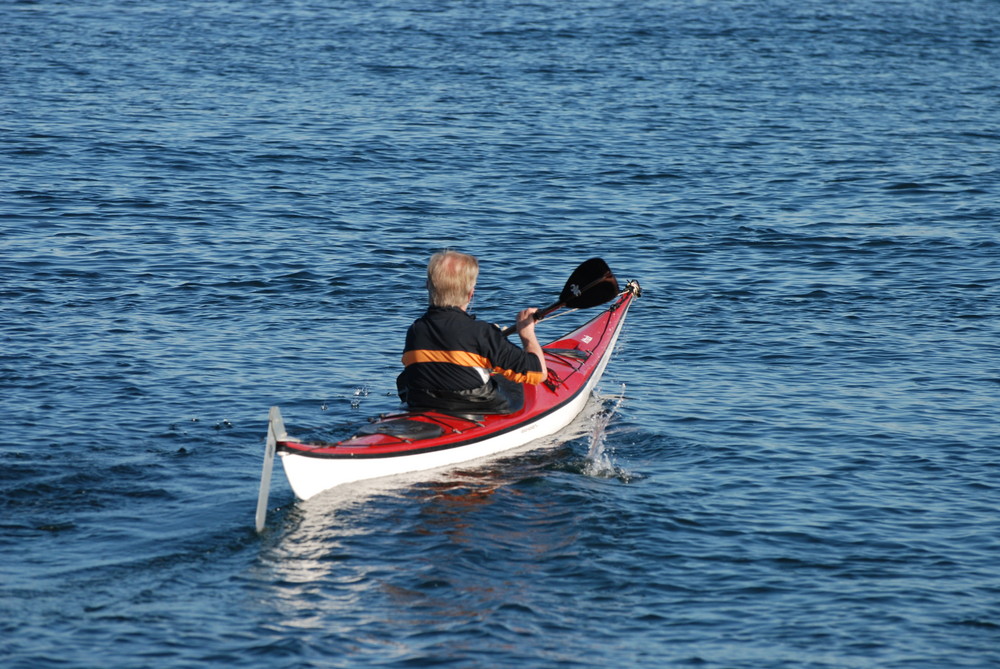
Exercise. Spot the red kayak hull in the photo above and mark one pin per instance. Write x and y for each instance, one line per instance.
(416, 440)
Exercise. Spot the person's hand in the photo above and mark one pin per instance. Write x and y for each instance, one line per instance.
(526, 322)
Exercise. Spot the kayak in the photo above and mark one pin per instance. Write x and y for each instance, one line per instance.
(416, 440)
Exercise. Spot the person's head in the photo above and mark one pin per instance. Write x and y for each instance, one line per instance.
(451, 279)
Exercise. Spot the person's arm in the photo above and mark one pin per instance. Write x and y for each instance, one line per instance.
(526, 330)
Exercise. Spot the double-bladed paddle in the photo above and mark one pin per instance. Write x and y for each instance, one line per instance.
(590, 284)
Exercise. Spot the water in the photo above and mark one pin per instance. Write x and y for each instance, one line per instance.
(212, 207)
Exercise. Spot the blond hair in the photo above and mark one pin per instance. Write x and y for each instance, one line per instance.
(451, 276)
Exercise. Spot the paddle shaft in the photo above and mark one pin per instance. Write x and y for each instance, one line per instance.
(542, 313)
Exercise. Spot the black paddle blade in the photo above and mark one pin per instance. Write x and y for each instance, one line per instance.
(591, 283)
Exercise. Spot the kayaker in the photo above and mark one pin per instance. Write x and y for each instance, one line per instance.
(454, 362)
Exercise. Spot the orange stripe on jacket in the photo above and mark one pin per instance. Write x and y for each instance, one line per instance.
(466, 359)
(531, 378)
(461, 358)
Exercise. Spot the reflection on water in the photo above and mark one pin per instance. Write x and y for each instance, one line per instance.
(441, 538)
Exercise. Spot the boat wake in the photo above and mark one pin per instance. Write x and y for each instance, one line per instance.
(599, 463)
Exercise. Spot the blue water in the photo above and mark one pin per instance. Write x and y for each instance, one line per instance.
(211, 207)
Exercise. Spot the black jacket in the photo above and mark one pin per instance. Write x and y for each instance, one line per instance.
(450, 354)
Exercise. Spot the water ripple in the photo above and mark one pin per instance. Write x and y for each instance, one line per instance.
(214, 208)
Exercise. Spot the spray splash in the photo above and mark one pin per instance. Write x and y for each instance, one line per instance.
(598, 461)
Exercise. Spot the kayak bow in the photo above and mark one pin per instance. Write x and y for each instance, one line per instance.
(409, 441)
